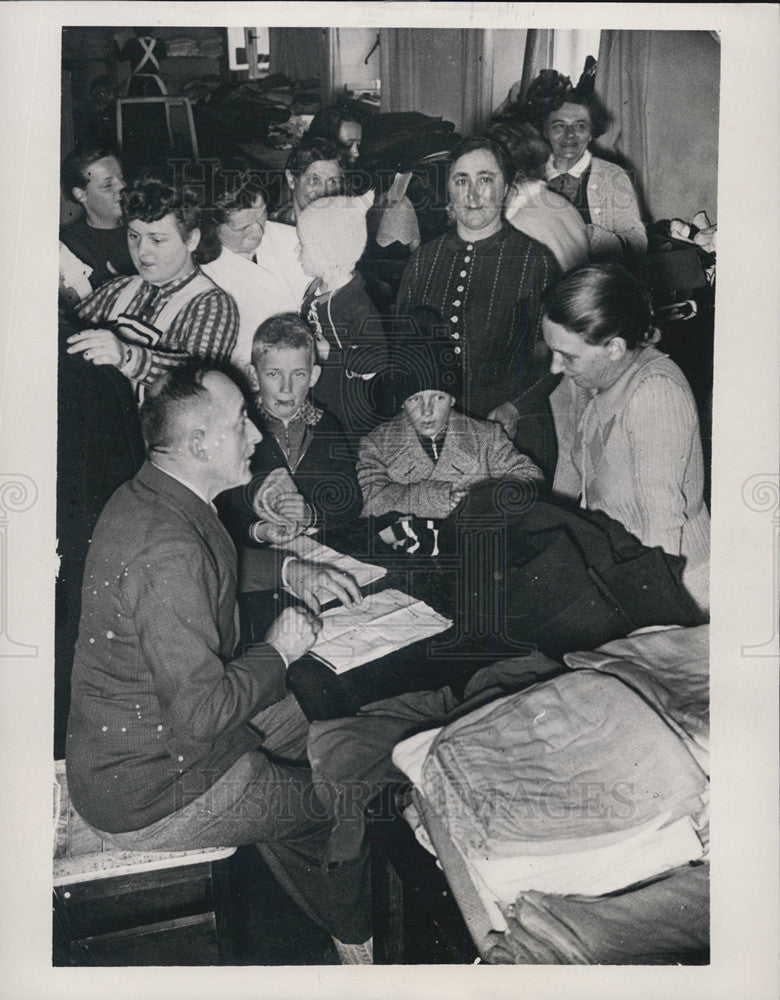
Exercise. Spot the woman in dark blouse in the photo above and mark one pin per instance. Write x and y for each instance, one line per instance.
(486, 280)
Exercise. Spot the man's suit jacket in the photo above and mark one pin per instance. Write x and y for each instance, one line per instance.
(396, 473)
(158, 706)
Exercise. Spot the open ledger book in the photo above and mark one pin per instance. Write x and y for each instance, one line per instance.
(383, 623)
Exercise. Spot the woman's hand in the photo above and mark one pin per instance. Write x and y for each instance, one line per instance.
(507, 415)
(323, 347)
(101, 347)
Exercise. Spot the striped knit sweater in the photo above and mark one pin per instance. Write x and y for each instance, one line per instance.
(634, 452)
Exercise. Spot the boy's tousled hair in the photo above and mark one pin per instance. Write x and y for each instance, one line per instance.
(284, 330)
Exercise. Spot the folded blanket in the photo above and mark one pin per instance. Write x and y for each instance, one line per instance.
(669, 668)
(579, 756)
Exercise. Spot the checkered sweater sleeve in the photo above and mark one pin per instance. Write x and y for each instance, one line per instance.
(96, 307)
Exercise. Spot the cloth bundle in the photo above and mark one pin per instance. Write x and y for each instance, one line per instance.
(592, 783)
(572, 786)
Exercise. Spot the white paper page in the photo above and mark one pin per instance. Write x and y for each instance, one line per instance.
(383, 623)
(313, 551)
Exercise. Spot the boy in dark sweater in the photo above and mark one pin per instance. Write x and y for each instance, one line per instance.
(307, 443)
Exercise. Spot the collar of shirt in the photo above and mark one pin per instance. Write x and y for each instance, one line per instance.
(577, 170)
(608, 403)
(306, 413)
(428, 443)
(173, 286)
(527, 192)
(193, 489)
(484, 244)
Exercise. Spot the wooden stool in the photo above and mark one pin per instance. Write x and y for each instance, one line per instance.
(115, 907)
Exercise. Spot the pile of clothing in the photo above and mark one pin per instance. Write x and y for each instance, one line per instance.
(576, 792)
(246, 113)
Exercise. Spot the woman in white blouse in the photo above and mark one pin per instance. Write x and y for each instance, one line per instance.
(531, 206)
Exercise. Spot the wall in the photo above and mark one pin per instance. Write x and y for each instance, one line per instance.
(354, 46)
(682, 124)
(662, 89)
(508, 54)
(442, 72)
(437, 52)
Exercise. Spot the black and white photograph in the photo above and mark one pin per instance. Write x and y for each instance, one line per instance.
(395, 504)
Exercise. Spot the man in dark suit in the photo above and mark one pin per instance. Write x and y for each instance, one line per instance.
(174, 744)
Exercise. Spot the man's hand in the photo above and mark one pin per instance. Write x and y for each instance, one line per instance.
(506, 414)
(293, 633)
(274, 534)
(307, 580)
(101, 347)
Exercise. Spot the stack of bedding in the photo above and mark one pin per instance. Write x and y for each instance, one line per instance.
(585, 785)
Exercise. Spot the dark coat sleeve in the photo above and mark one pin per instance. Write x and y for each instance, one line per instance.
(325, 477)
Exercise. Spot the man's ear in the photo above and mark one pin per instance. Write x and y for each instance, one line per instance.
(196, 445)
(616, 348)
(193, 240)
(79, 195)
(251, 375)
(316, 371)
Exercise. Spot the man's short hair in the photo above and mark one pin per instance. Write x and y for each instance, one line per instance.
(73, 173)
(284, 330)
(241, 195)
(150, 199)
(168, 400)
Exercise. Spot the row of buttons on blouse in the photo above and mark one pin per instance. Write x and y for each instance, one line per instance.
(456, 302)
